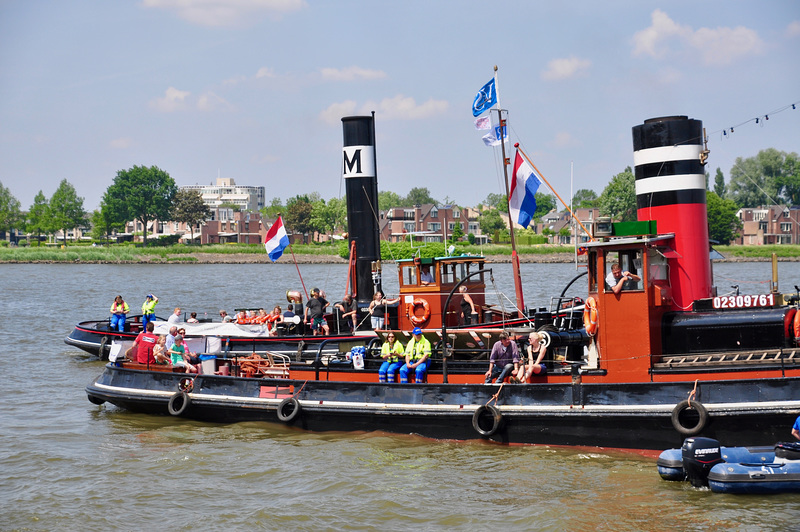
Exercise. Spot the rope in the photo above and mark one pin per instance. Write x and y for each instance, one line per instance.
(692, 393)
(496, 395)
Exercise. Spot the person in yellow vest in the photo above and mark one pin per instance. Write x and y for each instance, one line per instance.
(392, 353)
(149, 310)
(119, 310)
(418, 356)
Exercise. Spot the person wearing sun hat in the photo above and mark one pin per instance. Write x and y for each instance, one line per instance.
(418, 355)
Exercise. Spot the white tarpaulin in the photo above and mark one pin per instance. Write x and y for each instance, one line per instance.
(215, 329)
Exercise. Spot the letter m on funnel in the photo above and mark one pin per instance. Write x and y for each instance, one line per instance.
(359, 161)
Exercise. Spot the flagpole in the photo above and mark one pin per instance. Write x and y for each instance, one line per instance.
(554, 190)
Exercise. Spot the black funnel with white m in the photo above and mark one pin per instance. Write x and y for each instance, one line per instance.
(359, 169)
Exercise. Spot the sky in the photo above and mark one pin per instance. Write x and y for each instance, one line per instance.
(255, 89)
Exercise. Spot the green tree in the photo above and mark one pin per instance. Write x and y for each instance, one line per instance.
(458, 232)
(490, 221)
(142, 194)
(230, 205)
(618, 199)
(388, 199)
(723, 224)
(39, 219)
(66, 208)
(10, 213)
(789, 182)
(584, 199)
(272, 210)
(498, 201)
(188, 207)
(719, 184)
(757, 180)
(544, 204)
(298, 215)
(326, 217)
(418, 196)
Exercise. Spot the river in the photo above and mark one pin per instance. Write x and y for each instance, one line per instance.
(70, 465)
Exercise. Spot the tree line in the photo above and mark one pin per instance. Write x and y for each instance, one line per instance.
(145, 194)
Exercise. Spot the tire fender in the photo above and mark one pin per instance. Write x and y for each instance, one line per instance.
(497, 419)
(702, 415)
(291, 415)
(178, 403)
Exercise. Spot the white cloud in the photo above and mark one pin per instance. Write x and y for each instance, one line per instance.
(265, 72)
(224, 12)
(351, 74)
(173, 100)
(564, 68)
(717, 46)
(210, 101)
(121, 143)
(793, 29)
(334, 113)
(405, 108)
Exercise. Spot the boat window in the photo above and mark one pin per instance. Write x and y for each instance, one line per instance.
(657, 265)
(592, 271)
(448, 273)
(629, 261)
(409, 274)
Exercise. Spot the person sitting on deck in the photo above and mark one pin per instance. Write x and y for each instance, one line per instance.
(418, 355)
(160, 352)
(503, 360)
(119, 310)
(348, 311)
(241, 318)
(179, 357)
(149, 310)
(533, 367)
(224, 316)
(271, 319)
(173, 332)
(175, 317)
(145, 344)
(796, 429)
(617, 278)
(193, 318)
(392, 354)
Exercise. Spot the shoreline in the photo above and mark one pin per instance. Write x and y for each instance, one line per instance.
(251, 258)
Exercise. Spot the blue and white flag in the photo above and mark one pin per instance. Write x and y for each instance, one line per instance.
(493, 139)
(276, 240)
(522, 200)
(485, 99)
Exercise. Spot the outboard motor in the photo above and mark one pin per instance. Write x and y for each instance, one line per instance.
(699, 455)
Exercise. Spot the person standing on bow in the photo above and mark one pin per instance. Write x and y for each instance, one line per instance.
(503, 360)
(119, 310)
(467, 306)
(418, 355)
(392, 353)
(149, 310)
(377, 309)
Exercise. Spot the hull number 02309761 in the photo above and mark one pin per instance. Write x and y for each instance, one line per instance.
(763, 300)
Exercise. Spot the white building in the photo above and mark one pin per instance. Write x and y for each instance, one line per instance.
(247, 198)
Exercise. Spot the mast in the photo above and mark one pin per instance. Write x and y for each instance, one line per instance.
(514, 256)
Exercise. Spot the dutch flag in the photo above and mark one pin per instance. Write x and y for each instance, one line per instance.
(276, 240)
(525, 183)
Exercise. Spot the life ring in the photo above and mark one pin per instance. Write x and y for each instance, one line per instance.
(186, 384)
(702, 417)
(497, 419)
(178, 403)
(293, 413)
(797, 328)
(412, 311)
(590, 316)
(101, 353)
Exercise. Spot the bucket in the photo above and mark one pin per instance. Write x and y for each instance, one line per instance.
(209, 363)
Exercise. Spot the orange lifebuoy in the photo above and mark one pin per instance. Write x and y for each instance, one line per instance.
(412, 311)
(590, 316)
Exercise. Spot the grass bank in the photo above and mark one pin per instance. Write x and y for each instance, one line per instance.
(181, 253)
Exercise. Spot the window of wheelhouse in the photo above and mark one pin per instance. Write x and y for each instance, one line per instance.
(409, 272)
(592, 271)
(629, 261)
